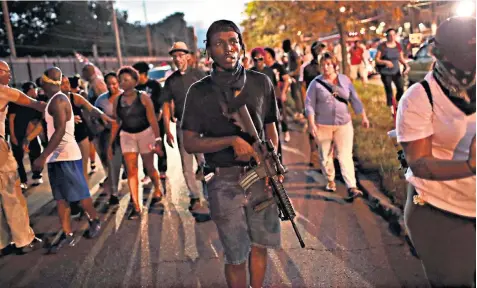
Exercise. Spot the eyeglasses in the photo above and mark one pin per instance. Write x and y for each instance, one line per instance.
(7, 71)
(258, 59)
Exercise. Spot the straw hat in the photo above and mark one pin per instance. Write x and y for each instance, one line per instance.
(179, 46)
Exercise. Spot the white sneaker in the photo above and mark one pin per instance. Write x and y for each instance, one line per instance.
(24, 186)
(37, 182)
(331, 186)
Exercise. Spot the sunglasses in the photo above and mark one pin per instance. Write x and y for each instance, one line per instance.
(258, 59)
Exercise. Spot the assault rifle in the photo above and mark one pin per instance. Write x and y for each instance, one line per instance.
(270, 166)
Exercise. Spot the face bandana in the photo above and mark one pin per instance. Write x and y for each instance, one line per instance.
(453, 79)
(229, 81)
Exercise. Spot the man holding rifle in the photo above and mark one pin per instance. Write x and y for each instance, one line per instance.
(229, 154)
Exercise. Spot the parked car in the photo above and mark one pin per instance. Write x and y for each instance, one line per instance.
(160, 73)
(420, 64)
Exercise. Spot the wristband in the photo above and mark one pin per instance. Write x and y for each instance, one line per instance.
(158, 139)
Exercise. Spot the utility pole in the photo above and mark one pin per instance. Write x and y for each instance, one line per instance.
(148, 30)
(116, 34)
(8, 25)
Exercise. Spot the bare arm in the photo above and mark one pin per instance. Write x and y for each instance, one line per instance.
(378, 58)
(81, 102)
(150, 114)
(11, 125)
(403, 62)
(272, 134)
(34, 129)
(193, 143)
(166, 116)
(100, 88)
(286, 84)
(20, 98)
(115, 125)
(423, 164)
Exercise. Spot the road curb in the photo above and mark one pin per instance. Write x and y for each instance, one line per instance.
(382, 205)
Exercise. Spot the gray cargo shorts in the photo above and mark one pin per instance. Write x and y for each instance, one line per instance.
(239, 226)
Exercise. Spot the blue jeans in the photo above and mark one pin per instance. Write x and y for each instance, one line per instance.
(239, 226)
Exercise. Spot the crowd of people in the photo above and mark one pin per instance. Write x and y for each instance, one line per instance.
(63, 123)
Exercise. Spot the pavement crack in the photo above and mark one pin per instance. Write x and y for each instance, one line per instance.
(344, 250)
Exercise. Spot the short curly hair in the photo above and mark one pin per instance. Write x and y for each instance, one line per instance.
(129, 70)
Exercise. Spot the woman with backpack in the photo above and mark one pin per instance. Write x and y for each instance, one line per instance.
(436, 128)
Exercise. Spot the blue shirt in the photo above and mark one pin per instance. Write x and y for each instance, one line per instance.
(326, 108)
(104, 104)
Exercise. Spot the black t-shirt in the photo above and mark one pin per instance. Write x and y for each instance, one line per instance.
(23, 116)
(279, 71)
(269, 72)
(177, 85)
(310, 72)
(153, 89)
(203, 113)
(292, 61)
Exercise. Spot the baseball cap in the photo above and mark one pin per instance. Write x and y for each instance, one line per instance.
(455, 40)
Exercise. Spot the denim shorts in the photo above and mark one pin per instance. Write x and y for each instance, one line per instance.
(239, 226)
(67, 181)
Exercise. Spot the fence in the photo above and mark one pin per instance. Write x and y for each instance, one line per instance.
(28, 68)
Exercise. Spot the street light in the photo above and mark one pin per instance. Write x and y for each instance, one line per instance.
(465, 8)
(342, 9)
(372, 28)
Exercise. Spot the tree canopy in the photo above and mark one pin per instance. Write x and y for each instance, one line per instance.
(268, 23)
(56, 28)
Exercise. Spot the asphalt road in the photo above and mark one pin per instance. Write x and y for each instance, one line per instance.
(347, 244)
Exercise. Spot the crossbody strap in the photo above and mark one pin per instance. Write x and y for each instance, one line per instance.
(426, 86)
(327, 87)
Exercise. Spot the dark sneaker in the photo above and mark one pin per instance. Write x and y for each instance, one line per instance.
(93, 167)
(34, 245)
(353, 193)
(94, 228)
(101, 184)
(156, 200)
(163, 175)
(124, 176)
(65, 240)
(75, 210)
(199, 218)
(134, 215)
(113, 200)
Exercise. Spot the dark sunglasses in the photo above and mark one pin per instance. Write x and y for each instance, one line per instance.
(258, 59)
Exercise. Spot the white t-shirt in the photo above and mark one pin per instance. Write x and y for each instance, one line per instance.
(452, 132)
(68, 149)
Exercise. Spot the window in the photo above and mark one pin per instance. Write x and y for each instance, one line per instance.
(423, 52)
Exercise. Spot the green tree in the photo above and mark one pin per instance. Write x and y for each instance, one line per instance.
(29, 20)
(268, 23)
